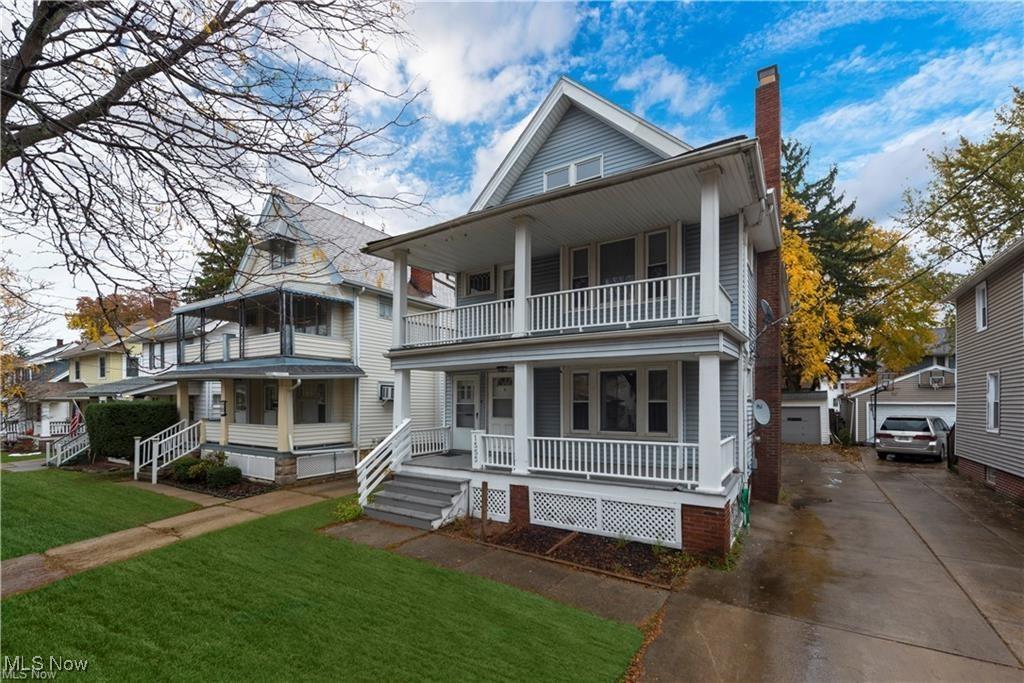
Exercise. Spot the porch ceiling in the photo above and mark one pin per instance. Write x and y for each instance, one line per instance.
(643, 199)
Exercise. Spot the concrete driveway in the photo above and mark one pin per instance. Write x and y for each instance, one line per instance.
(869, 571)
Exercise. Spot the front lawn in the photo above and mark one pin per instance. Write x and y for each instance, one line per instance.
(273, 599)
(9, 457)
(47, 508)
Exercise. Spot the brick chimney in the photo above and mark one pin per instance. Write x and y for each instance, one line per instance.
(422, 280)
(766, 481)
(60, 342)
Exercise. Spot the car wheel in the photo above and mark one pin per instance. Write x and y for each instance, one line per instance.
(882, 456)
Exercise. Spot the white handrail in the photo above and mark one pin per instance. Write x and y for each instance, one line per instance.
(462, 323)
(68, 447)
(730, 455)
(144, 448)
(431, 440)
(493, 450)
(386, 456)
(645, 460)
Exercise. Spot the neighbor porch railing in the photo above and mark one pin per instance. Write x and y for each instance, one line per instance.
(641, 460)
(67, 448)
(626, 303)
(166, 446)
(387, 456)
(59, 427)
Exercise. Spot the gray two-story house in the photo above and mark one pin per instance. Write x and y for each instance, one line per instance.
(990, 372)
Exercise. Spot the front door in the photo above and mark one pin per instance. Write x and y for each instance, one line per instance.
(465, 410)
(242, 402)
(500, 404)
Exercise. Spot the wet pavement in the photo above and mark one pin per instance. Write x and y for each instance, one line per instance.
(869, 570)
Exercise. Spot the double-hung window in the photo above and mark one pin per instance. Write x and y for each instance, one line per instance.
(281, 254)
(78, 369)
(385, 307)
(478, 283)
(578, 171)
(992, 401)
(103, 366)
(311, 317)
(508, 282)
(657, 401)
(657, 255)
(618, 401)
(981, 306)
(617, 261)
(579, 275)
(580, 401)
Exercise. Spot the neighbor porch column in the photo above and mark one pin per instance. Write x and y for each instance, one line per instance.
(709, 416)
(522, 417)
(285, 411)
(523, 262)
(227, 395)
(403, 406)
(399, 300)
(182, 399)
(709, 242)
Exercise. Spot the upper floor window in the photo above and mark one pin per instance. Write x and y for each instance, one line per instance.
(478, 283)
(617, 261)
(281, 253)
(981, 306)
(78, 369)
(384, 307)
(618, 401)
(103, 366)
(580, 274)
(508, 282)
(992, 402)
(131, 366)
(311, 317)
(576, 172)
(657, 255)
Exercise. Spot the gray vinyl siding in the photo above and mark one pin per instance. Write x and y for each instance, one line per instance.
(729, 397)
(576, 137)
(544, 278)
(999, 347)
(547, 412)
(691, 398)
(751, 301)
(729, 263)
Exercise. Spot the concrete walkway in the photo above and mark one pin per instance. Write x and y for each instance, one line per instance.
(870, 571)
(605, 596)
(27, 465)
(29, 572)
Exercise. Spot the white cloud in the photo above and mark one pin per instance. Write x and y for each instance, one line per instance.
(656, 81)
(804, 27)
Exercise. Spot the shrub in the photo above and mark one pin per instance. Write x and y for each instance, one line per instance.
(348, 509)
(182, 466)
(113, 425)
(220, 476)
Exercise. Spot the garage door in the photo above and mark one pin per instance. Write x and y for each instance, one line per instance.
(801, 425)
(947, 411)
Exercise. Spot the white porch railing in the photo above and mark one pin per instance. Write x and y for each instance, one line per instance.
(59, 427)
(493, 450)
(163, 448)
(431, 440)
(724, 304)
(264, 436)
(642, 460)
(387, 456)
(627, 303)
(17, 427)
(730, 455)
(448, 325)
(67, 448)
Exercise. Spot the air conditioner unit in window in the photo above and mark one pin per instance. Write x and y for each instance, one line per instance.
(937, 381)
(386, 392)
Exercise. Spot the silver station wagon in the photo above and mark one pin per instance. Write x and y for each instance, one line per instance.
(919, 435)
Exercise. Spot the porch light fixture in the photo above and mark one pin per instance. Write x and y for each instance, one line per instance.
(504, 368)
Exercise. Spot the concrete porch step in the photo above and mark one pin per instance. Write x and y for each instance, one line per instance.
(395, 499)
(414, 500)
(419, 481)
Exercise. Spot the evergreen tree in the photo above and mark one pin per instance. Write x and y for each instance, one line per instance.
(217, 265)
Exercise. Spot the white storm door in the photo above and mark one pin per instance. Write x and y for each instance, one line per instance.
(465, 411)
(500, 404)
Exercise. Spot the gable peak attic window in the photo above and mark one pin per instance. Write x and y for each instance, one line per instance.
(282, 252)
(578, 171)
(981, 306)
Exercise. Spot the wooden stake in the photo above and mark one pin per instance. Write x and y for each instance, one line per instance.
(483, 511)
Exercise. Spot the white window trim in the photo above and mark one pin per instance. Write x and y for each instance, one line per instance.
(981, 292)
(989, 413)
(571, 168)
(573, 401)
(385, 391)
(667, 400)
(381, 300)
(499, 290)
(470, 273)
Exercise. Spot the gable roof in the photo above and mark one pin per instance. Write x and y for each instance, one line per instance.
(339, 237)
(907, 376)
(1014, 250)
(565, 94)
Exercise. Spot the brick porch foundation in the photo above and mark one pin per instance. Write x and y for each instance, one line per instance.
(1007, 484)
(519, 505)
(706, 531)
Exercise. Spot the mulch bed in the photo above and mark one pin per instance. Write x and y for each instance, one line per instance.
(243, 489)
(100, 466)
(648, 563)
(21, 446)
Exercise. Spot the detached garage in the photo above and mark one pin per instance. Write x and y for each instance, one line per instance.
(931, 391)
(805, 417)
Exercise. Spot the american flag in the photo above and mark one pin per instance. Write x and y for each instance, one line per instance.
(76, 422)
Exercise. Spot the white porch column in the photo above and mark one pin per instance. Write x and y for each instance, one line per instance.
(523, 263)
(227, 395)
(709, 415)
(402, 405)
(399, 301)
(522, 422)
(709, 242)
(285, 411)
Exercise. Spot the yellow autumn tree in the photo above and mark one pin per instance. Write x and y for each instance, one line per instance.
(815, 326)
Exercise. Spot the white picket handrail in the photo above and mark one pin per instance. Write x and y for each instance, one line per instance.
(67, 448)
(730, 455)
(493, 450)
(166, 446)
(431, 440)
(386, 456)
(448, 325)
(59, 427)
(644, 460)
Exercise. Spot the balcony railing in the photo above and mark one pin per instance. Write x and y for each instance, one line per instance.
(602, 458)
(269, 344)
(660, 300)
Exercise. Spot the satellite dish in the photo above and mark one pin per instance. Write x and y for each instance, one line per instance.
(762, 413)
(766, 310)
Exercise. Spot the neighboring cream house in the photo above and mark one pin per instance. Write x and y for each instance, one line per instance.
(43, 409)
(600, 362)
(296, 349)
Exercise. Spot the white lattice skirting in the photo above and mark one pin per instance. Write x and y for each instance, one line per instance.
(497, 503)
(607, 517)
(253, 466)
(323, 464)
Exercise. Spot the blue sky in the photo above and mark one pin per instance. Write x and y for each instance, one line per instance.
(871, 86)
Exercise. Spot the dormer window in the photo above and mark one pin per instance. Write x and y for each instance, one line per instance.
(981, 306)
(572, 174)
(282, 253)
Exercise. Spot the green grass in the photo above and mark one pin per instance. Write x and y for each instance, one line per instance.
(47, 508)
(7, 457)
(274, 600)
